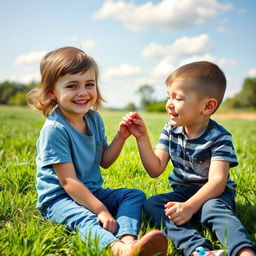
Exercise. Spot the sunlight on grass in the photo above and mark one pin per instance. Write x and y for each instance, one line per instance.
(22, 229)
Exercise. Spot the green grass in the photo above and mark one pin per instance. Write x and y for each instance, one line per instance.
(22, 229)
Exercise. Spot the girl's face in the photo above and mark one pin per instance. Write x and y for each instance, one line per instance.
(184, 106)
(75, 93)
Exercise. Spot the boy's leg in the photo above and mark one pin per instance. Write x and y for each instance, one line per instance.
(184, 237)
(219, 214)
(126, 206)
(76, 217)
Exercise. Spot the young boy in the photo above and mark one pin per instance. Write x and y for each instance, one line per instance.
(201, 152)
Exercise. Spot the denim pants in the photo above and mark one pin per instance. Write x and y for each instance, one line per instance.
(124, 204)
(217, 213)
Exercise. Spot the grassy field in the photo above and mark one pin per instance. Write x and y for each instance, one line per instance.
(24, 232)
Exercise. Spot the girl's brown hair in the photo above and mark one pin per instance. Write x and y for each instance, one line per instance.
(66, 60)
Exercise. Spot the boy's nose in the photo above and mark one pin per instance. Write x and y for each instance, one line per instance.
(170, 104)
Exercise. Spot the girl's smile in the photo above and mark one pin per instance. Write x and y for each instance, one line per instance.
(76, 93)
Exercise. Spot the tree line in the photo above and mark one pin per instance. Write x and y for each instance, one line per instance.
(12, 93)
(245, 99)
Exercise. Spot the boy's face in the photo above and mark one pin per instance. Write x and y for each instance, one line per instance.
(184, 103)
(75, 93)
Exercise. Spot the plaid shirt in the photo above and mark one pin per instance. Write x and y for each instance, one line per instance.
(191, 158)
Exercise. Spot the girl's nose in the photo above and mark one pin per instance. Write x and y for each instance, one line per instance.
(82, 91)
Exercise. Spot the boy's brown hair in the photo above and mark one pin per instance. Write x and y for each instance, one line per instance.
(207, 77)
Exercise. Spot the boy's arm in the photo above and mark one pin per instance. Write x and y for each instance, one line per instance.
(153, 161)
(83, 196)
(180, 213)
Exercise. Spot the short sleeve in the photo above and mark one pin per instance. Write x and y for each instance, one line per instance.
(102, 131)
(223, 149)
(53, 146)
(163, 141)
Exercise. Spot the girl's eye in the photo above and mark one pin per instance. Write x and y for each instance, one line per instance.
(90, 85)
(71, 86)
(179, 99)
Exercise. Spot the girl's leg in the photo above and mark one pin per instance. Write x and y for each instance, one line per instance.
(76, 217)
(184, 237)
(219, 214)
(126, 206)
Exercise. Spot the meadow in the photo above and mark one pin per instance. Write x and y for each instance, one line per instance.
(24, 232)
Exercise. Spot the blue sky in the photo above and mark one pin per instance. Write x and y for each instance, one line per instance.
(134, 42)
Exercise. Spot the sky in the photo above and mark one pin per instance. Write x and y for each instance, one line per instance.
(134, 42)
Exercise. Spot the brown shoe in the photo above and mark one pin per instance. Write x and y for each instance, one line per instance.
(153, 243)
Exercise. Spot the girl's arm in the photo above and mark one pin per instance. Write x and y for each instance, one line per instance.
(111, 153)
(180, 213)
(83, 196)
(153, 161)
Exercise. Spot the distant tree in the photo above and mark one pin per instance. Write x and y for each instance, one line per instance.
(130, 107)
(7, 90)
(18, 99)
(156, 106)
(14, 93)
(146, 92)
(246, 98)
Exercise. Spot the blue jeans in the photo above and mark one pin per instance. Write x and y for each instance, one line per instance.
(217, 213)
(124, 204)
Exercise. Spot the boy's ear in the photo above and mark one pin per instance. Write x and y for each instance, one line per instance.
(210, 106)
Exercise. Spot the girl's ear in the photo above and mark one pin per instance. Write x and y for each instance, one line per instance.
(51, 94)
(210, 106)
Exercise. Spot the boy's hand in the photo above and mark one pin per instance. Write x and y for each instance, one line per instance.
(107, 221)
(178, 212)
(135, 124)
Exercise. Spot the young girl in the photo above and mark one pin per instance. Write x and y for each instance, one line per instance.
(71, 148)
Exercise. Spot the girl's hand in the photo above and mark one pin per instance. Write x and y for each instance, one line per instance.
(135, 124)
(179, 213)
(123, 130)
(107, 221)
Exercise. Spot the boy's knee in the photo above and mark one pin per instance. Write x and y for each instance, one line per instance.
(149, 203)
(138, 194)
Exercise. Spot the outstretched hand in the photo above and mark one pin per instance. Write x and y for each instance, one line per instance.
(135, 124)
(124, 130)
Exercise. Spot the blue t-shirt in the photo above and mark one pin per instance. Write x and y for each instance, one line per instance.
(59, 142)
(191, 157)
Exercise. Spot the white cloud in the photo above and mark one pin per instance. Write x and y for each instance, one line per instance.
(122, 71)
(84, 44)
(29, 58)
(252, 72)
(242, 11)
(226, 62)
(183, 46)
(205, 57)
(163, 68)
(167, 14)
(88, 44)
(222, 29)
(26, 78)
